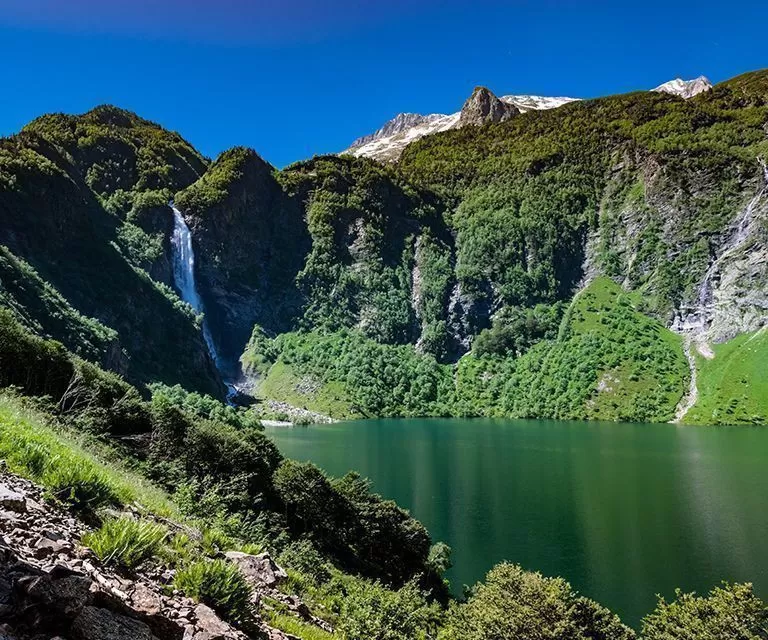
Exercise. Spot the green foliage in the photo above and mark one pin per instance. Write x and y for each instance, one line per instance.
(218, 584)
(609, 362)
(298, 628)
(204, 406)
(729, 612)
(365, 532)
(32, 446)
(377, 379)
(79, 484)
(42, 309)
(371, 612)
(513, 603)
(516, 330)
(126, 541)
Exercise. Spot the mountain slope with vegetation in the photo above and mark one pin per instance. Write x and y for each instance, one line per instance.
(434, 278)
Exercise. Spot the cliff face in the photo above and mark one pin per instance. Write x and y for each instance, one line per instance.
(483, 107)
(250, 242)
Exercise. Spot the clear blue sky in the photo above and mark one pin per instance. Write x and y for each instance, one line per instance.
(302, 77)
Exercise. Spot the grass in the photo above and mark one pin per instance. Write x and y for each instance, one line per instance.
(733, 386)
(299, 628)
(282, 383)
(126, 541)
(35, 447)
(218, 584)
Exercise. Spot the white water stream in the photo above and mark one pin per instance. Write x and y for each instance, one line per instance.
(183, 257)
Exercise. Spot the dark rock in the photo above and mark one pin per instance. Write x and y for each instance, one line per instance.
(66, 596)
(101, 624)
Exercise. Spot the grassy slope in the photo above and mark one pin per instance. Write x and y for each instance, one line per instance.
(733, 386)
(623, 384)
(34, 447)
(283, 384)
(610, 362)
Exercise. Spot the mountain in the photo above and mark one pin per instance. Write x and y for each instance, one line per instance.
(444, 283)
(685, 88)
(387, 143)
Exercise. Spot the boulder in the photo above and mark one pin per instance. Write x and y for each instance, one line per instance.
(260, 571)
(210, 624)
(94, 623)
(11, 500)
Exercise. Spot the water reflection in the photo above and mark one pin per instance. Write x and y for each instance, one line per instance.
(623, 511)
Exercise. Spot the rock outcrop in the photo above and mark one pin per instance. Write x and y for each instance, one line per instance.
(483, 107)
(51, 586)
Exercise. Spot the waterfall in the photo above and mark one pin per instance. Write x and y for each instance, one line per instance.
(183, 257)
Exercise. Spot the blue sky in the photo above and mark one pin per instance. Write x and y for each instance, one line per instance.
(302, 77)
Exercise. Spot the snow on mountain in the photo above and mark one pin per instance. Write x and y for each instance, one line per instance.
(536, 103)
(388, 143)
(685, 88)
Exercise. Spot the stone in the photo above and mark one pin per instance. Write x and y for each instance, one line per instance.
(94, 623)
(260, 571)
(45, 547)
(209, 622)
(145, 600)
(66, 596)
(11, 500)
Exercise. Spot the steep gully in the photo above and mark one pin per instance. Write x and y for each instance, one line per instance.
(183, 258)
(694, 326)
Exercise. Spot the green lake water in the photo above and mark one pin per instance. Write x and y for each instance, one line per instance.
(623, 511)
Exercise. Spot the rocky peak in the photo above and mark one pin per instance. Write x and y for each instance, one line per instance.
(401, 122)
(685, 88)
(483, 107)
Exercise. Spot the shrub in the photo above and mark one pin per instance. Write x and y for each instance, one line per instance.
(126, 542)
(513, 603)
(372, 612)
(218, 584)
(728, 612)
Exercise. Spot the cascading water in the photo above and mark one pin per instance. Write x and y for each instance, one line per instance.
(183, 257)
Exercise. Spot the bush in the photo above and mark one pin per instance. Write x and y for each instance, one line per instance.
(513, 603)
(371, 612)
(730, 612)
(126, 542)
(218, 584)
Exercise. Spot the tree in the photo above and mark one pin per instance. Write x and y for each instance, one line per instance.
(730, 612)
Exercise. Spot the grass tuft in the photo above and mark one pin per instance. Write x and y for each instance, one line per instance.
(126, 542)
(218, 584)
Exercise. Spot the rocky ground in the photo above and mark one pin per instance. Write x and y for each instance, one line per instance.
(53, 588)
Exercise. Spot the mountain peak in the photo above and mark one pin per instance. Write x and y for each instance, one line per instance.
(685, 88)
(388, 142)
(483, 106)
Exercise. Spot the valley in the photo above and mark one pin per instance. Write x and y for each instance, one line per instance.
(531, 286)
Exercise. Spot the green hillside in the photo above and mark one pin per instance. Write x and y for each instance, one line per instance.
(733, 385)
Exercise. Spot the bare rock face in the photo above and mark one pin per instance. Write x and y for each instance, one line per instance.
(260, 571)
(483, 107)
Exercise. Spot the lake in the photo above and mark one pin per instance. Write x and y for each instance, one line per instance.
(623, 511)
